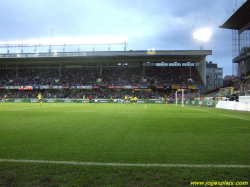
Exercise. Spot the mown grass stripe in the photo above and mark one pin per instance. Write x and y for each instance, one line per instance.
(125, 164)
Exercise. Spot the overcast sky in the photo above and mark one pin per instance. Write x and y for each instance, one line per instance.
(158, 24)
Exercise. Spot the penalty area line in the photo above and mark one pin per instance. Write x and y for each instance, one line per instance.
(124, 164)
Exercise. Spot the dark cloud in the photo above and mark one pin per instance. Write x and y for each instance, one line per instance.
(159, 24)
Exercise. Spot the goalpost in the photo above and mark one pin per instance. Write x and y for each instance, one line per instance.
(182, 97)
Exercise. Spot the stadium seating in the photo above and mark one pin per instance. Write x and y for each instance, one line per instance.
(108, 76)
(168, 76)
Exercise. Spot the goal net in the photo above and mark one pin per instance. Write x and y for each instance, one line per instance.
(226, 91)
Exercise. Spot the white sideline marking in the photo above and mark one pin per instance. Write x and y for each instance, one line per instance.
(219, 114)
(125, 164)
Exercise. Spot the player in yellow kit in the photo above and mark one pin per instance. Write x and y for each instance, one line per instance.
(163, 100)
(40, 98)
(83, 99)
(125, 99)
(131, 100)
(5, 98)
(135, 100)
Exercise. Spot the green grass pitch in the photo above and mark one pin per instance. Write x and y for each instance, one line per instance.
(122, 134)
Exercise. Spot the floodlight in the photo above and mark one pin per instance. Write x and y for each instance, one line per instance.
(203, 34)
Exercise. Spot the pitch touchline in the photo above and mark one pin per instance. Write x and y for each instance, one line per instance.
(220, 114)
(125, 164)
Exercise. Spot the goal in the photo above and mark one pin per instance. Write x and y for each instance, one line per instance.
(226, 91)
(182, 97)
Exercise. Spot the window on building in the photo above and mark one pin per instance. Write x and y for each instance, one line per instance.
(218, 76)
(218, 71)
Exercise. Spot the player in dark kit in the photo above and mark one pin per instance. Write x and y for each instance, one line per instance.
(90, 98)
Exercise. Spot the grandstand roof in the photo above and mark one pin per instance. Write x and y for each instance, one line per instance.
(107, 56)
(240, 19)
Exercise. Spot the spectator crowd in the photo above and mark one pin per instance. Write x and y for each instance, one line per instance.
(106, 76)
(154, 76)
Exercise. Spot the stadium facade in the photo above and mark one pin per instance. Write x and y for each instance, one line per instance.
(239, 23)
(214, 76)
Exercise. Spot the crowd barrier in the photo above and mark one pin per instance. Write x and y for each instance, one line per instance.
(209, 103)
(60, 100)
(157, 101)
(232, 105)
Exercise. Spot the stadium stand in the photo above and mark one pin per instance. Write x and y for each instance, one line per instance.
(168, 76)
(110, 76)
(240, 85)
(88, 76)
